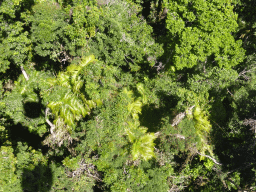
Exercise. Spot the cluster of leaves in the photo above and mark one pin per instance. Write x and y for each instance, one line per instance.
(14, 42)
(196, 40)
(124, 39)
(131, 95)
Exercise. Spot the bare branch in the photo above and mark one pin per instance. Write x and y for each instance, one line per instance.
(95, 177)
(180, 136)
(210, 158)
(24, 73)
(252, 123)
(220, 127)
(177, 119)
(86, 168)
(157, 134)
(230, 93)
(242, 73)
(181, 116)
(49, 122)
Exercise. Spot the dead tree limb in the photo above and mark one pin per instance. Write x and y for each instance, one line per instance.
(210, 158)
(24, 73)
(48, 121)
(181, 116)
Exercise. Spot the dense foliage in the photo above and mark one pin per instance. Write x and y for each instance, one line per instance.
(127, 95)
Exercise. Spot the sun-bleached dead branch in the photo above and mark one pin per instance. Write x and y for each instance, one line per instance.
(181, 116)
(177, 119)
(179, 136)
(48, 121)
(252, 123)
(230, 92)
(24, 73)
(210, 158)
(87, 169)
(242, 73)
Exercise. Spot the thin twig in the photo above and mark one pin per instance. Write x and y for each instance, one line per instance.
(179, 136)
(97, 178)
(242, 73)
(241, 168)
(230, 180)
(219, 127)
(230, 93)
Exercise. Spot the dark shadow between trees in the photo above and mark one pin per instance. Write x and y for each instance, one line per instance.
(38, 179)
(32, 109)
(20, 133)
(152, 115)
(234, 141)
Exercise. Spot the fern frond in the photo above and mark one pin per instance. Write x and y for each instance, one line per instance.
(67, 115)
(73, 72)
(51, 81)
(140, 88)
(98, 102)
(32, 97)
(24, 89)
(73, 69)
(91, 104)
(76, 107)
(131, 136)
(203, 127)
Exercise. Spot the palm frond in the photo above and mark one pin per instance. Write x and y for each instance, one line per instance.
(55, 107)
(142, 142)
(202, 123)
(87, 60)
(135, 108)
(72, 105)
(63, 80)
(140, 88)
(77, 85)
(144, 147)
(128, 93)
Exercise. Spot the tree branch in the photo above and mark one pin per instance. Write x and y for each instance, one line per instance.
(242, 73)
(210, 158)
(24, 73)
(49, 122)
(178, 118)
(230, 93)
